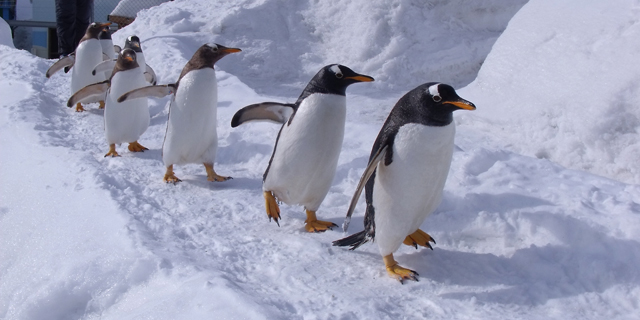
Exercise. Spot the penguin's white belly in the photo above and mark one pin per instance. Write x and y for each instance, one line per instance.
(142, 62)
(191, 133)
(107, 48)
(410, 188)
(88, 55)
(307, 152)
(126, 121)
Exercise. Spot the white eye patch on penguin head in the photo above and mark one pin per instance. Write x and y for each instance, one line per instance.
(336, 71)
(214, 47)
(434, 92)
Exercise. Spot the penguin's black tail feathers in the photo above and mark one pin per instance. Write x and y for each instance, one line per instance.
(355, 240)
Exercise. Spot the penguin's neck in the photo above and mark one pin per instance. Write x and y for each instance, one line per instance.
(314, 87)
(436, 119)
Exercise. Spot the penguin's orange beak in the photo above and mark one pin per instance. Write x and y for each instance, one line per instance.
(230, 50)
(128, 58)
(106, 24)
(463, 104)
(361, 78)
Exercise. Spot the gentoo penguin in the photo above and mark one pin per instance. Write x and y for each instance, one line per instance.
(306, 151)
(191, 130)
(407, 170)
(108, 52)
(87, 55)
(133, 42)
(123, 121)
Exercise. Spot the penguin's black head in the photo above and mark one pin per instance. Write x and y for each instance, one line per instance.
(127, 59)
(94, 29)
(105, 33)
(133, 42)
(209, 54)
(334, 79)
(434, 103)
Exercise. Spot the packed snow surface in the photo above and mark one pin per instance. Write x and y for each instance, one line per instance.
(529, 227)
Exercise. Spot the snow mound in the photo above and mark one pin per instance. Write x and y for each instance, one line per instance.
(564, 84)
(401, 43)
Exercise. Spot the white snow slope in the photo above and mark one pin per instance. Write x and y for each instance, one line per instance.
(523, 232)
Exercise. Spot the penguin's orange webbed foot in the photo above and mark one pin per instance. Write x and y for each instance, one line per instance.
(271, 204)
(419, 238)
(79, 107)
(397, 272)
(101, 106)
(212, 175)
(112, 151)
(136, 147)
(169, 176)
(312, 224)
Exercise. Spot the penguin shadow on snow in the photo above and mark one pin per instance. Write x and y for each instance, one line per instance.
(240, 183)
(586, 261)
(151, 154)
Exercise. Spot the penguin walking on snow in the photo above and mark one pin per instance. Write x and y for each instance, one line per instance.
(407, 170)
(306, 151)
(133, 43)
(87, 55)
(191, 130)
(123, 121)
(108, 50)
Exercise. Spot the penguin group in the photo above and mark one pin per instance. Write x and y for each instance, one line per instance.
(403, 180)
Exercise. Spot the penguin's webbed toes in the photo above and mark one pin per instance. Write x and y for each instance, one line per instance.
(217, 178)
(419, 238)
(112, 154)
(271, 205)
(136, 147)
(170, 178)
(319, 226)
(399, 273)
(312, 224)
(79, 108)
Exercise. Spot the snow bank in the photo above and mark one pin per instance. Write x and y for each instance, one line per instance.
(401, 43)
(130, 8)
(563, 83)
(5, 34)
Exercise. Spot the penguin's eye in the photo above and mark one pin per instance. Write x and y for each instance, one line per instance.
(437, 98)
(339, 75)
(215, 49)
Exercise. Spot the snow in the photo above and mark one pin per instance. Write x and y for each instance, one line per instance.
(541, 212)
(130, 8)
(579, 80)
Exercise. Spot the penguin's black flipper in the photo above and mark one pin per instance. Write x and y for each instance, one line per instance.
(272, 111)
(66, 62)
(150, 91)
(355, 240)
(371, 168)
(104, 66)
(117, 48)
(90, 94)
